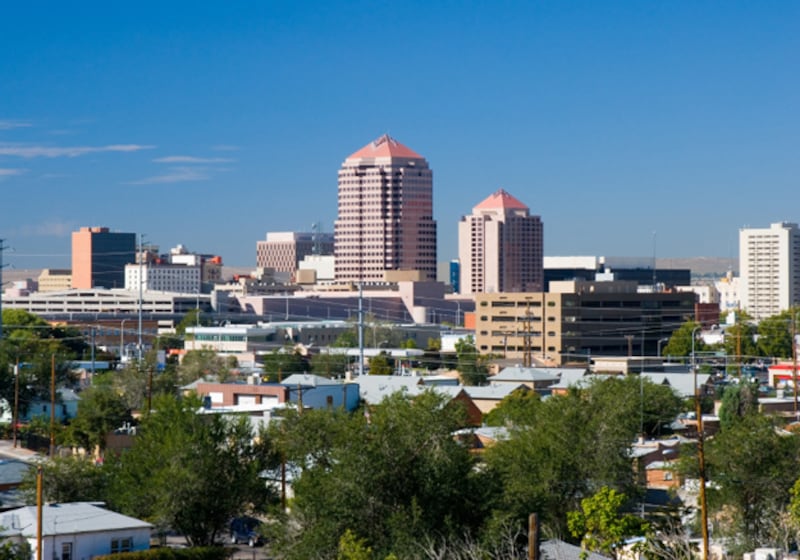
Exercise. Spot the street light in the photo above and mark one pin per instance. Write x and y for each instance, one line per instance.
(660, 341)
(121, 338)
(700, 452)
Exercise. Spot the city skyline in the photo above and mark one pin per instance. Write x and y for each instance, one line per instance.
(631, 129)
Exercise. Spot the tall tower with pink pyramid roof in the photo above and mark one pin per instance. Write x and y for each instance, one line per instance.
(500, 247)
(385, 216)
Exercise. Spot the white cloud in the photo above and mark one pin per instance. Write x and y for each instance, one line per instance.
(176, 175)
(9, 124)
(47, 229)
(29, 152)
(9, 172)
(192, 159)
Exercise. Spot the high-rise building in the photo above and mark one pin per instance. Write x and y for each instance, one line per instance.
(283, 250)
(99, 257)
(500, 246)
(385, 218)
(769, 262)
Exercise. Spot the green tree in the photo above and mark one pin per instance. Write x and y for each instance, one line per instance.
(517, 409)
(431, 359)
(191, 472)
(100, 411)
(353, 548)
(601, 525)
(329, 364)
(33, 343)
(15, 551)
(283, 362)
(380, 365)
(470, 363)
(347, 339)
(202, 364)
(738, 401)
(193, 318)
(75, 478)
(775, 335)
(397, 475)
(680, 343)
(571, 445)
(753, 469)
(740, 343)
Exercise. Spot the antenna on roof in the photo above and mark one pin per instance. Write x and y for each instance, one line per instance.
(315, 239)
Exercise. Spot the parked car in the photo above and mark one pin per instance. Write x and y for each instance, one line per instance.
(246, 530)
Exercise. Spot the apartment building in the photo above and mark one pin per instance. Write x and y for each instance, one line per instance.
(769, 262)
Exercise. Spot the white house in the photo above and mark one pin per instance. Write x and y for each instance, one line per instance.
(75, 531)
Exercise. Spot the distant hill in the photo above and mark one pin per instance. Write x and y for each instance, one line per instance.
(701, 266)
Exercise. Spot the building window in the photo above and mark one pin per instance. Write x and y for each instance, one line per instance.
(66, 551)
(121, 545)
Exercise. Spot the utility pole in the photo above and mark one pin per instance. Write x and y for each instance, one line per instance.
(794, 362)
(526, 340)
(141, 283)
(52, 405)
(16, 401)
(39, 527)
(701, 459)
(629, 338)
(149, 390)
(360, 329)
(3, 247)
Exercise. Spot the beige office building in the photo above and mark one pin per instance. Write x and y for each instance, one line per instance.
(283, 251)
(576, 320)
(500, 247)
(769, 263)
(54, 280)
(385, 214)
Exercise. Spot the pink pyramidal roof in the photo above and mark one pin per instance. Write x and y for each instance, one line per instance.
(383, 147)
(501, 200)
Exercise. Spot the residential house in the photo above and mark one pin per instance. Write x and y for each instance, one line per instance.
(487, 397)
(312, 390)
(375, 388)
(75, 531)
(538, 379)
(66, 407)
(556, 549)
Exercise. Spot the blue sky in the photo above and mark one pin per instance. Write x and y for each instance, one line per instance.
(211, 123)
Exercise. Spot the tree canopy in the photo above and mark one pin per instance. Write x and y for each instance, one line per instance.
(390, 478)
(191, 472)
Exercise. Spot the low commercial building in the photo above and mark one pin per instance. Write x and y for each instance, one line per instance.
(245, 342)
(100, 301)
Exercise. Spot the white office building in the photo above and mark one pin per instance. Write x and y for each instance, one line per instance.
(769, 260)
(175, 278)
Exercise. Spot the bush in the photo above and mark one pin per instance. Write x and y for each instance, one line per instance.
(166, 553)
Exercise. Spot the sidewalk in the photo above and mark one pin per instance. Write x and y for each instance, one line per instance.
(8, 451)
